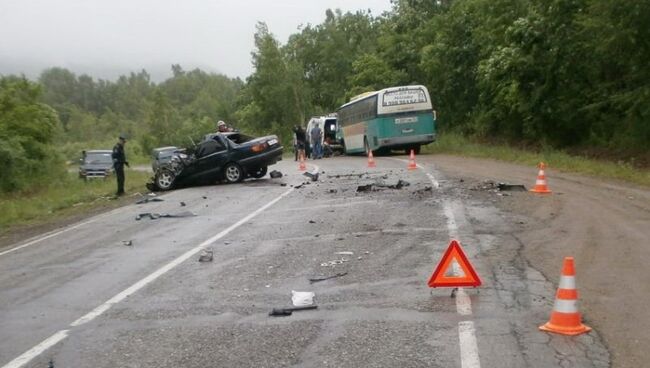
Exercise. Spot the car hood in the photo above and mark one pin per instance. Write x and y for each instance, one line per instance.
(96, 167)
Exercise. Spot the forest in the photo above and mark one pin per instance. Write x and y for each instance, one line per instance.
(566, 74)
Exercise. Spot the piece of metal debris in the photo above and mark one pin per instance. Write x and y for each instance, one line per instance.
(155, 216)
(313, 177)
(364, 188)
(284, 312)
(206, 255)
(323, 278)
(275, 174)
(149, 199)
(511, 187)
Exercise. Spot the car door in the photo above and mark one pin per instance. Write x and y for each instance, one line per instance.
(212, 155)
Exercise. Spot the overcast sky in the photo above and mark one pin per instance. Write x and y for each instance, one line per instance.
(105, 38)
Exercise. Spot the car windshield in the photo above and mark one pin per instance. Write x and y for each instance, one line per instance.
(98, 158)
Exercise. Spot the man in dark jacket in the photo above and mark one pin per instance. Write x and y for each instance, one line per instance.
(119, 160)
(299, 138)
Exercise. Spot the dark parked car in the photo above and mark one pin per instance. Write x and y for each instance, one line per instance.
(231, 157)
(161, 156)
(96, 164)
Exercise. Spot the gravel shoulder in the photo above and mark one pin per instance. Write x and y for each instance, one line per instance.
(603, 224)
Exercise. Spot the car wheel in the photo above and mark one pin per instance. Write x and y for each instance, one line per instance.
(259, 172)
(233, 173)
(165, 179)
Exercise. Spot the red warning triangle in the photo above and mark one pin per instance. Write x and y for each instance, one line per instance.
(440, 277)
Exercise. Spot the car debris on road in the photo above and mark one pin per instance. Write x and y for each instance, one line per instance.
(207, 255)
(275, 174)
(302, 298)
(284, 312)
(323, 278)
(155, 216)
(148, 199)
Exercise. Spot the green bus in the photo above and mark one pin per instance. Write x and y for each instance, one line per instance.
(395, 118)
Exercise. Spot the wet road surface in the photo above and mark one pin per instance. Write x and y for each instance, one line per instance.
(91, 301)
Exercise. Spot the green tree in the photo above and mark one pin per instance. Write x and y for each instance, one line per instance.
(28, 130)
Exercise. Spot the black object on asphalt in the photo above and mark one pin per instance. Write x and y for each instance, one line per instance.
(283, 312)
(511, 187)
(182, 204)
(128, 243)
(313, 177)
(317, 279)
(275, 174)
(155, 216)
(364, 188)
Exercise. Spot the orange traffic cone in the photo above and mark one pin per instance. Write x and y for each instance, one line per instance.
(540, 184)
(565, 318)
(302, 166)
(371, 160)
(412, 165)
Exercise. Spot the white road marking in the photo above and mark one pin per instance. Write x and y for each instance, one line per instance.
(64, 230)
(54, 339)
(467, 335)
(38, 240)
(468, 347)
(37, 350)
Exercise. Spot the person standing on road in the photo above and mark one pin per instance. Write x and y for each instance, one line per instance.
(316, 135)
(300, 138)
(119, 160)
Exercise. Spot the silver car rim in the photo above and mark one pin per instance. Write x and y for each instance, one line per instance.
(165, 180)
(232, 173)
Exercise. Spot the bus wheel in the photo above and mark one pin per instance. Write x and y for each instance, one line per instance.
(366, 146)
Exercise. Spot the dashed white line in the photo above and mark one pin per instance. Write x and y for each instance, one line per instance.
(54, 339)
(468, 347)
(469, 357)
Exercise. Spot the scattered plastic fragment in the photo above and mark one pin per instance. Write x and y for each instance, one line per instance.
(345, 253)
(128, 243)
(275, 174)
(302, 298)
(206, 255)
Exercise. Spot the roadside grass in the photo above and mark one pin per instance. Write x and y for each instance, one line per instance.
(66, 198)
(456, 144)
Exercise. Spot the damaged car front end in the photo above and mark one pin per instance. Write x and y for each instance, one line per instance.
(231, 157)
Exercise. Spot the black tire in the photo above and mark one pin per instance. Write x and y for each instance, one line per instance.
(259, 172)
(165, 179)
(366, 146)
(233, 173)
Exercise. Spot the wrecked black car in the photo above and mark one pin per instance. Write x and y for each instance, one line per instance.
(231, 157)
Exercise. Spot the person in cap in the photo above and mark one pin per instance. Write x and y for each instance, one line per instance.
(222, 127)
(119, 160)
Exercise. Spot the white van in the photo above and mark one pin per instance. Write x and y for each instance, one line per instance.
(329, 125)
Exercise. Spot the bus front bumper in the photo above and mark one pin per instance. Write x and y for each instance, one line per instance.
(407, 140)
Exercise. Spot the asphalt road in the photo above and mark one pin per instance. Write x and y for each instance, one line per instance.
(81, 298)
